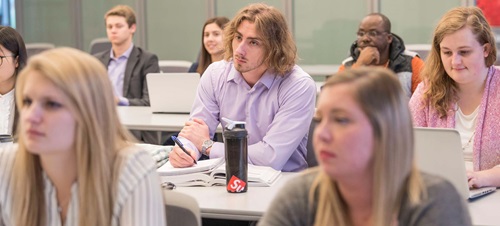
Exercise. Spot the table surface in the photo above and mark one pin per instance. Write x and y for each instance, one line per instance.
(142, 118)
(485, 210)
(216, 202)
(320, 69)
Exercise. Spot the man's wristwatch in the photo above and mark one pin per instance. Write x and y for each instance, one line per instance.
(205, 146)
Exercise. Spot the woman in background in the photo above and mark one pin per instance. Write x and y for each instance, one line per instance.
(211, 44)
(12, 59)
(74, 163)
(366, 176)
(460, 90)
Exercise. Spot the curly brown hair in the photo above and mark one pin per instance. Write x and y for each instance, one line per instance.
(281, 52)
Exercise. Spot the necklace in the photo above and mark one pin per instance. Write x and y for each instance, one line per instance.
(469, 142)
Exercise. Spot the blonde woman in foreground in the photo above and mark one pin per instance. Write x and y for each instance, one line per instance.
(74, 163)
(366, 176)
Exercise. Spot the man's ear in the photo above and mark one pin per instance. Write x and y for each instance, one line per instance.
(133, 28)
(389, 38)
(17, 61)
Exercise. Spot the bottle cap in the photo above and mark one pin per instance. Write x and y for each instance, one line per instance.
(231, 124)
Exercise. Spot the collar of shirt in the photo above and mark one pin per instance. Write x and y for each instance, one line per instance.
(8, 94)
(266, 79)
(52, 205)
(125, 55)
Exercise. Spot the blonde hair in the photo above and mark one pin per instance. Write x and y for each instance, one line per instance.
(380, 96)
(99, 135)
(441, 91)
(123, 11)
(281, 52)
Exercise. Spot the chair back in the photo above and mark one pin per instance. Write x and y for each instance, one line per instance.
(174, 66)
(99, 45)
(181, 209)
(38, 47)
(421, 49)
(311, 157)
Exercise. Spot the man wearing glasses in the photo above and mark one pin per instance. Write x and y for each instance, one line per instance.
(377, 46)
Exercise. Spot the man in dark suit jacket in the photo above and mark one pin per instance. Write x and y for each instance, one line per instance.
(139, 64)
(127, 64)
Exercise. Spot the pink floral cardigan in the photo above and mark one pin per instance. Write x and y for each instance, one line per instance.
(486, 150)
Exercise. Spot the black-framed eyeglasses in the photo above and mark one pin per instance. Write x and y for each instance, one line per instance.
(2, 57)
(371, 34)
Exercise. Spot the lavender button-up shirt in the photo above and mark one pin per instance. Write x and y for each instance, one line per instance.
(277, 111)
(116, 73)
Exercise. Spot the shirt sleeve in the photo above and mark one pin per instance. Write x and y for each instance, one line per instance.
(123, 101)
(289, 126)
(417, 65)
(144, 203)
(418, 107)
(205, 106)
(7, 159)
(143, 207)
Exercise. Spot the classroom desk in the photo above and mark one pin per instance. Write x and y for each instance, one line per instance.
(141, 118)
(484, 210)
(320, 70)
(216, 202)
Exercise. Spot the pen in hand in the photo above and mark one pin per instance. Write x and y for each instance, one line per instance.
(179, 143)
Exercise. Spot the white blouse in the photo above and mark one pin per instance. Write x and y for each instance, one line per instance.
(466, 124)
(7, 112)
(139, 200)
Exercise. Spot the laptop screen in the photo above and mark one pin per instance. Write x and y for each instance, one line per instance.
(172, 92)
(438, 151)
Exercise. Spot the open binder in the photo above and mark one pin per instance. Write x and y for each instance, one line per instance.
(213, 172)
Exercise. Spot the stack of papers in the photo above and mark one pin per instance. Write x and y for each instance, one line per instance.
(213, 172)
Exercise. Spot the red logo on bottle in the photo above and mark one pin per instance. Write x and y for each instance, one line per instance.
(236, 184)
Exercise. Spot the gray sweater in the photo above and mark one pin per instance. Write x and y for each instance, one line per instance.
(444, 206)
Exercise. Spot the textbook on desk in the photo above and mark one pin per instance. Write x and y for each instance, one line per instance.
(213, 172)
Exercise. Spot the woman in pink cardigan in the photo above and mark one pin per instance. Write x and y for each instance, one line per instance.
(460, 90)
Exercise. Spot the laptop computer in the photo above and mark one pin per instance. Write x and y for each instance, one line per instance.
(438, 151)
(172, 93)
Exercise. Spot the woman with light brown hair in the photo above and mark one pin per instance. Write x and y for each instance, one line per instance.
(74, 163)
(212, 48)
(366, 175)
(460, 91)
